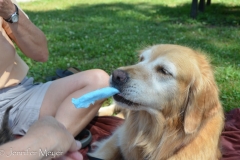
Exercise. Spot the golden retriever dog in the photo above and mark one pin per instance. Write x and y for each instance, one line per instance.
(173, 106)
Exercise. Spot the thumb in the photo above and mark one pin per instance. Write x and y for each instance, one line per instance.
(76, 145)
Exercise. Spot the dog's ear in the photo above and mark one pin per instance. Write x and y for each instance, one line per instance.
(202, 100)
(194, 109)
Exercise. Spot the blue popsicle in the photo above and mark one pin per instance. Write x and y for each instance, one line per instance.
(86, 100)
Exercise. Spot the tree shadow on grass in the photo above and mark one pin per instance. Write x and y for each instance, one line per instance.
(121, 24)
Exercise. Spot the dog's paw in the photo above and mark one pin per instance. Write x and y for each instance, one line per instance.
(95, 154)
(97, 150)
(95, 145)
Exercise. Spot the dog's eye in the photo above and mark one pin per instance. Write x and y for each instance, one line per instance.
(141, 59)
(162, 70)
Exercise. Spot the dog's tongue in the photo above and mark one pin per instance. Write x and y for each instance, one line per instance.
(86, 100)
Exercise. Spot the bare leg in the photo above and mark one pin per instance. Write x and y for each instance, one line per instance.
(58, 99)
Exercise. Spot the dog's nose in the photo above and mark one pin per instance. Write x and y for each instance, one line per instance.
(119, 77)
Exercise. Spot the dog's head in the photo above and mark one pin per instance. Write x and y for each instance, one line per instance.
(171, 79)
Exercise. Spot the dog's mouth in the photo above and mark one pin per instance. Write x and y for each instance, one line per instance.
(121, 99)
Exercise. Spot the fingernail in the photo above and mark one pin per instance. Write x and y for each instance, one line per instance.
(79, 156)
(79, 144)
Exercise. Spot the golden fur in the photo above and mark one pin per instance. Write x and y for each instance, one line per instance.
(174, 112)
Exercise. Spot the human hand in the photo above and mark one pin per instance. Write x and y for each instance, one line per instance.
(6, 8)
(55, 137)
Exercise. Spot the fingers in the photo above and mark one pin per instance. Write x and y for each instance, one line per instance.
(74, 155)
(71, 156)
(76, 145)
(49, 128)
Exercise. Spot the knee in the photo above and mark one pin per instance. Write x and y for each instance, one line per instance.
(99, 78)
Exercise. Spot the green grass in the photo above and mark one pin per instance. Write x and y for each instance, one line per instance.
(106, 34)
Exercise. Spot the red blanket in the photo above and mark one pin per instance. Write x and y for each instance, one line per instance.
(230, 138)
(102, 127)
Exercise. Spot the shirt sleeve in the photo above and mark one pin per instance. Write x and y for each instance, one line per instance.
(6, 27)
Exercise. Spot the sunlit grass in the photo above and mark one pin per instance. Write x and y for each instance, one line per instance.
(107, 33)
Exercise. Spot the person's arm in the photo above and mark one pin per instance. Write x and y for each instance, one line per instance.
(30, 39)
(46, 139)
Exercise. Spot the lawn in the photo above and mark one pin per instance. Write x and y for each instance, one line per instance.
(106, 34)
